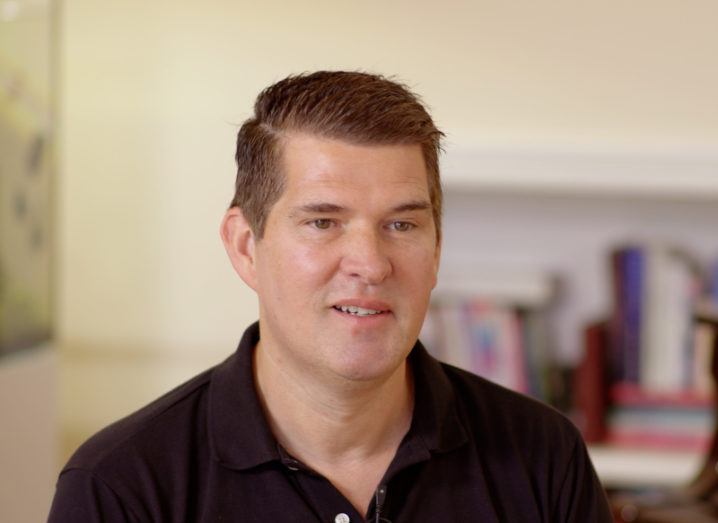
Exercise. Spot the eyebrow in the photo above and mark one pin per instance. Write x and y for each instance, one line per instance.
(416, 205)
(319, 208)
(331, 208)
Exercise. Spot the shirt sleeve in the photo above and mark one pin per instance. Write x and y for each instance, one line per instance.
(80, 496)
(582, 497)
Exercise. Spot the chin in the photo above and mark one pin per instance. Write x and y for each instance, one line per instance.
(369, 366)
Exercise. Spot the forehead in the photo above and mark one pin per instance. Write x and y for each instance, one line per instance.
(319, 165)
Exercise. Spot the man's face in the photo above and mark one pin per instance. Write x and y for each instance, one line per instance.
(348, 258)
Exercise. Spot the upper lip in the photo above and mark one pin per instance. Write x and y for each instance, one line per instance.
(375, 305)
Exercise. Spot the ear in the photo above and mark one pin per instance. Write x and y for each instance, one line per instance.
(239, 242)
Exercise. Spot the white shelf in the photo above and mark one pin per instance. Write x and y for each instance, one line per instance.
(497, 284)
(634, 467)
(653, 174)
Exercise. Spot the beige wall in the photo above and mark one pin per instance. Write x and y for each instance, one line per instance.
(28, 446)
(152, 92)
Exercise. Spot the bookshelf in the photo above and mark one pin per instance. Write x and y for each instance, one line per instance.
(557, 214)
(644, 468)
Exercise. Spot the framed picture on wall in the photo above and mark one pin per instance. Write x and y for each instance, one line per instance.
(26, 170)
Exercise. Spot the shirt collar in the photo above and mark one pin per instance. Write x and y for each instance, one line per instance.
(436, 421)
(240, 436)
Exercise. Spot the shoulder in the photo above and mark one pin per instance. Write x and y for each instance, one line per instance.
(159, 423)
(531, 448)
(496, 414)
(129, 470)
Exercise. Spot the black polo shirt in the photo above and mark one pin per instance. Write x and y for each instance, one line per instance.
(204, 452)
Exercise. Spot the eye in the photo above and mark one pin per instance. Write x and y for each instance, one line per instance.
(321, 223)
(402, 226)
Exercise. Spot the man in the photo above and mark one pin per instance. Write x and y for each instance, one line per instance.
(331, 410)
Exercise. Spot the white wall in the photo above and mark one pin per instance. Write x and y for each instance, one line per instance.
(152, 93)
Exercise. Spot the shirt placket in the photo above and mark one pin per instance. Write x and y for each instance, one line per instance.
(323, 498)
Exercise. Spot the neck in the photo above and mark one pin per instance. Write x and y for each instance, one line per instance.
(330, 424)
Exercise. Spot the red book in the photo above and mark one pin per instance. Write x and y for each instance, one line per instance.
(592, 383)
(632, 395)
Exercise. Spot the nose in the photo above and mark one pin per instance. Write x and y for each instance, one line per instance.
(366, 257)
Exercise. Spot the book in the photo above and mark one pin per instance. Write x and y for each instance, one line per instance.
(591, 383)
(713, 278)
(666, 330)
(488, 339)
(536, 337)
(628, 273)
(494, 323)
(632, 395)
(675, 420)
(674, 428)
(655, 288)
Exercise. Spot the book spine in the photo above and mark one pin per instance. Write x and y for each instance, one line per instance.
(633, 275)
(667, 330)
(591, 383)
(496, 345)
(628, 268)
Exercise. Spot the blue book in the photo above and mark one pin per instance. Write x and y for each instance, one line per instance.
(633, 283)
(628, 267)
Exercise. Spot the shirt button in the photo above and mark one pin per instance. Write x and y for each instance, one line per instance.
(341, 518)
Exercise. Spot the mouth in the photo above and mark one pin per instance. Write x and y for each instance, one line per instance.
(362, 308)
(355, 310)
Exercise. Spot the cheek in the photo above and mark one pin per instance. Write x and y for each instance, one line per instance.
(309, 263)
(421, 264)
(293, 271)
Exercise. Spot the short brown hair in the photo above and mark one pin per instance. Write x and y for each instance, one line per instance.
(353, 106)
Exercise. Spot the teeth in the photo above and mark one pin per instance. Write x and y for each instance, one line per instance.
(359, 311)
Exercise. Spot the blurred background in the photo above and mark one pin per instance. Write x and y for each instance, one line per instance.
(581, 137)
